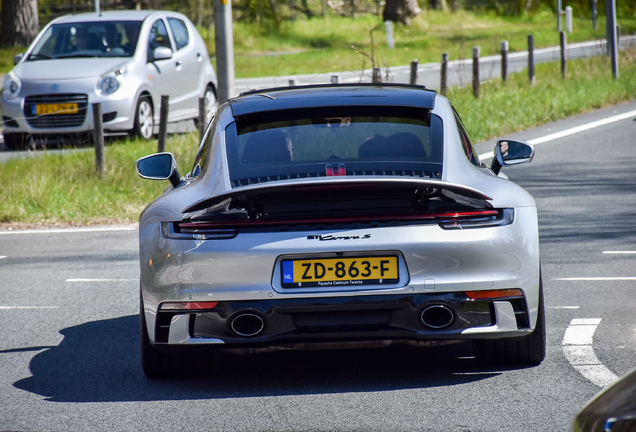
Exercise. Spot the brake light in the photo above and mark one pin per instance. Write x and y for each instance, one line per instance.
(494, 294)
(484, 219)
(188, 305)
(341, 170)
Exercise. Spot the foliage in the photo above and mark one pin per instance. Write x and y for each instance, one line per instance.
(200, 11)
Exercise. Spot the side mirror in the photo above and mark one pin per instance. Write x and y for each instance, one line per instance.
(159, 166)
(17, 58)
(161, 53)
(508, 152)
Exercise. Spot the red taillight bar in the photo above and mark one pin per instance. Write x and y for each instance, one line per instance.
(264, 223)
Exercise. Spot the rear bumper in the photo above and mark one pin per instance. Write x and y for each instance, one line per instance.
(290, 322)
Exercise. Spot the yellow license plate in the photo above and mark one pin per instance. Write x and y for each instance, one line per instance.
(333, 272)
(60, 108)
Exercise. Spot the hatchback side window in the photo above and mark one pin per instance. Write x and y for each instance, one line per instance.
(467, 146)
(158, 37)
(180, 32)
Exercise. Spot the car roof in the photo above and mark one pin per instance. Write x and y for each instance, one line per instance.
(116, 15)
(333, 95)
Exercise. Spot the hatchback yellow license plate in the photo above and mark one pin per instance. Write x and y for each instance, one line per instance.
(60, 108)
(332, 272)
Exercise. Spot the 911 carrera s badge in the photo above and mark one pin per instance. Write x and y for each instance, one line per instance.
(333, 237)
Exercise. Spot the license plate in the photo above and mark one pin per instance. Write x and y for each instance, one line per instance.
(334, 272)
(60, 108)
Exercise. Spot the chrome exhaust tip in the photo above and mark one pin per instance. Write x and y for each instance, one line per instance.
(437, 316)
(247, 324)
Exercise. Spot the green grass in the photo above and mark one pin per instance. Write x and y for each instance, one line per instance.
(64, 187)
(509, 107)
(324, 45)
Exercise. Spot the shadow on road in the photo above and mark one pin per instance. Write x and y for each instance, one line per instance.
(99, 362)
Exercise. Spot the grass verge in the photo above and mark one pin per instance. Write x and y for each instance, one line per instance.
(64, 188)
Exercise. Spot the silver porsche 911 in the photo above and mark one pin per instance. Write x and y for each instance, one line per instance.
(338, 216)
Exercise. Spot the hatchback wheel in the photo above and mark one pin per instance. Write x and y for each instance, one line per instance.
(211, 104)
(144, 123)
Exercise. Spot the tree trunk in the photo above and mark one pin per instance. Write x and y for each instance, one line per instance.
(19, 24)
(400, 11)
(272, 5)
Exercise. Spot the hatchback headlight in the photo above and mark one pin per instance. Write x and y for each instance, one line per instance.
(12, 86)
(109, 83)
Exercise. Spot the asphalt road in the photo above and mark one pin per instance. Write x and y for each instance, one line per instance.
(69, 342)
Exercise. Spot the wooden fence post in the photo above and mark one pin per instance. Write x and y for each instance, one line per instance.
(443, 87)
(413, 77)
(504, 61)
(98, 128)
(203, 117)
(163, 124)
(564, 61)
(476, 52)
(377, 75)
(531, 59)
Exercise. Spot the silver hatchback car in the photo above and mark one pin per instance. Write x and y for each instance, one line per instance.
(339, 216)
(125, 60)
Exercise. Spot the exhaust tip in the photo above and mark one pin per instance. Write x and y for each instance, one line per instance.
(247, 324)
(437, 316)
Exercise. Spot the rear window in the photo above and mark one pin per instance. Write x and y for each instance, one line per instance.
(339, 141)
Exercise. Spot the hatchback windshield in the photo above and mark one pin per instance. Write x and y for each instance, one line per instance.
(338, 141)
(88, 39)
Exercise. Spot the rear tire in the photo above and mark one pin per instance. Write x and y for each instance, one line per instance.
(144, 121)
(157, 364)
(526, 350)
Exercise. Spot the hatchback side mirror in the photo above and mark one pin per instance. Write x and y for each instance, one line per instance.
(508, 152)
(159, 166)
(161, 53)
(17, 58)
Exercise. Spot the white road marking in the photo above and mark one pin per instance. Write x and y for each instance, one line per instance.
(577, 348)
(2, 256)
(572, 131)
(595, 279)
(67, 230)
(620, 252)
(28, 307)
(102, 280)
